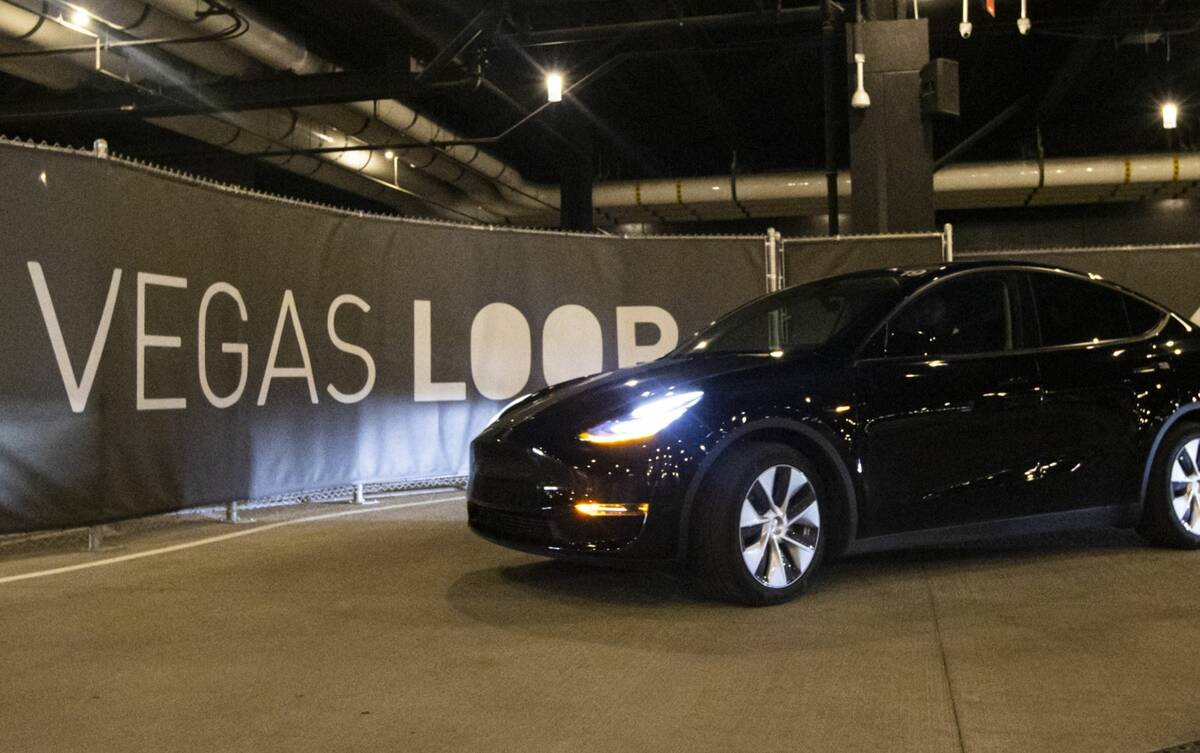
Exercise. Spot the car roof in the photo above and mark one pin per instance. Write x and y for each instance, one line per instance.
(914, 276)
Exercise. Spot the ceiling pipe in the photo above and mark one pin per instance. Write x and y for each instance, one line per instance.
(260, 42)
(363, 181)
(960, 186)
(38, 32)
(369, 175)
(59, 75)
(126, 17)
(270, 131)
(516, 195)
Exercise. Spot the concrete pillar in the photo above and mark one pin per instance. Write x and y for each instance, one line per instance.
(577, 172)
(891, 142)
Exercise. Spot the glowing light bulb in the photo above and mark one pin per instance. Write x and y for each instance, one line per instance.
(80, 17)
(554, 87)
(1170, 115)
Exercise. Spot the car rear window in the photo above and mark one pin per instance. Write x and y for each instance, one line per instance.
(1073, 311)
(1142, 316)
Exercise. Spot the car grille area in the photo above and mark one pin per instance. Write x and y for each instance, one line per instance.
(530, 528)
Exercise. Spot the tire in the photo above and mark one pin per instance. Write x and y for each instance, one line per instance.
(740, 519)
(1171, 515)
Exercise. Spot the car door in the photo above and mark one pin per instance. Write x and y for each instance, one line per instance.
(1091, 368)
(950, 408)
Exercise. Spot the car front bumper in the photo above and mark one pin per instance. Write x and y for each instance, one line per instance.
(524, 497)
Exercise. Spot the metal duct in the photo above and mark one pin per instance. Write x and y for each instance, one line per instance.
(138, 19)
(68, 71)
(1085, 180)
(280, 130)
(509, 194)
(215, 131)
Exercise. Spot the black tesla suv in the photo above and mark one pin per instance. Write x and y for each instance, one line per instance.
(873, 410)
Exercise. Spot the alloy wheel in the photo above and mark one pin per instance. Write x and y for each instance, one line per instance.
(780, 526)
(1185, 486)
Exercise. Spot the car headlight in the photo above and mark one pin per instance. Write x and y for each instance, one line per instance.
(644, 421)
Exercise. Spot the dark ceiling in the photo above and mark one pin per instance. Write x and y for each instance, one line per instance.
(1092, 74)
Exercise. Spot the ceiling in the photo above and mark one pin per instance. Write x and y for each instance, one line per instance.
(684, 102)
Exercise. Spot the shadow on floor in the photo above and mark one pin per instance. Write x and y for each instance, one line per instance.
(853, 602)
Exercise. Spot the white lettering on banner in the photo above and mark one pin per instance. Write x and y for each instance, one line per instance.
(424, 388)
(350, 348)
(145, 340)
(287, 309)
(501, 351)
(629, 353)
(77, 390)
(572, 344)
(241, 349)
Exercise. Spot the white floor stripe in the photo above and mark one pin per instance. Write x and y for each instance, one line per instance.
(222, 537)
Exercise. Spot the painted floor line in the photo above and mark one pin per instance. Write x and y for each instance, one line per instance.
(220, 538)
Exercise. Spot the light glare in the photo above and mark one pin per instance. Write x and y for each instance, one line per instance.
(1170, 115)
(643, 422)
(80, 17)
(554, 87)
(594, 509)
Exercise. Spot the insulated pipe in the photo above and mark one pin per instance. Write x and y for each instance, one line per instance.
(432, 162)
(19, 24)
(260, 41)
(139, 20)
(278, 51)
(37, 32)
(48, 72)
(275, 130)
(214, 131)
(962, 185)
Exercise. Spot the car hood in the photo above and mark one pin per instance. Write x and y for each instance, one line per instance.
(606, 395)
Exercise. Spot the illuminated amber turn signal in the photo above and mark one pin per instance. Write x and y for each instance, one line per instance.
(594, 509)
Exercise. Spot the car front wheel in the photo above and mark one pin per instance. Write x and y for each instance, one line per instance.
(758, 538)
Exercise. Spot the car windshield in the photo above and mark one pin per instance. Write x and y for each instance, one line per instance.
(799, 319)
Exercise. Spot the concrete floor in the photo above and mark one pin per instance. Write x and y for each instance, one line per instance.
(397, 629)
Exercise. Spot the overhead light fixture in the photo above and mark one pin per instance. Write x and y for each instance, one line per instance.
(965, 27)
(1170, 115)
(860, 100)
(1023, 23)
(554, 87)
(80, 17)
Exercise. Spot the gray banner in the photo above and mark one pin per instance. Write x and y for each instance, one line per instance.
(1163, 273)
(170, 344)
(808, 259)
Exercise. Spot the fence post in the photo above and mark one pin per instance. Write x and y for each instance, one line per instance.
(947, 242)
(360, 498)
(231, 511)
(781, 265)
(772, 265)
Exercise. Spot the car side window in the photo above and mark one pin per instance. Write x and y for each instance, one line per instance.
(1073, 311)
(1142, 316)
(969, 315)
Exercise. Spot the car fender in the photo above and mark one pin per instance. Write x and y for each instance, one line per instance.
(810, 429)
(1189, 405)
